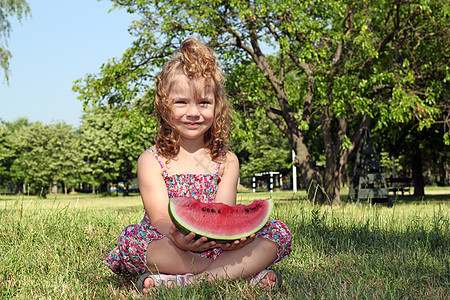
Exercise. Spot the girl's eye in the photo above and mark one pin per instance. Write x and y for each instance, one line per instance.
(205, 103)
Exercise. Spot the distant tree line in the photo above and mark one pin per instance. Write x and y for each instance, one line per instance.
(36, 158)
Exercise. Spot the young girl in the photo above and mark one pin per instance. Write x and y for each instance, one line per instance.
(190, 159)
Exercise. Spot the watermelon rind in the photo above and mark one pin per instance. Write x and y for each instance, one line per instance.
(186, 229)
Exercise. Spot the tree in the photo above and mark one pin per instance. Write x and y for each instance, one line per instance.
(6, 155)
(426, 77)
(422, 151)
(110, 143)
(9, 151)
(351, 59)
(259, 146)
(8, 9)
(44, 156)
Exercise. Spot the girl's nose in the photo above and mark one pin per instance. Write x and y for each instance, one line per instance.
(192, 110)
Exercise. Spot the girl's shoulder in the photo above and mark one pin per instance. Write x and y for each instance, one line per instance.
(229, 161)
(148, 153)
(227, 155)
(150, 159)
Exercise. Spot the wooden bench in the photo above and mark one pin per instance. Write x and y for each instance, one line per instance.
(400, 185)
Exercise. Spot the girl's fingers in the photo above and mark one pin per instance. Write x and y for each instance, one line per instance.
(203, 244)
(190, 237)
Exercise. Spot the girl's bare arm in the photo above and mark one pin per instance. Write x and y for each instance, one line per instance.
(153, 192)
(227, 189)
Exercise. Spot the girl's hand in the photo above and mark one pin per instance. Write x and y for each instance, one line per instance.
(238, 243)
(189, 243)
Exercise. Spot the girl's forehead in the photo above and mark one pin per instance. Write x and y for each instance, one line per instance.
(197, 88)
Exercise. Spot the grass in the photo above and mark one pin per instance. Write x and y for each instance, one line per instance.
(53, 249)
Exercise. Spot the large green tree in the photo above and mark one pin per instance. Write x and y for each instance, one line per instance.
(351, 62)
(9, 9)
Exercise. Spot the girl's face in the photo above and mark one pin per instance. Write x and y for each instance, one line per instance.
(192, 108)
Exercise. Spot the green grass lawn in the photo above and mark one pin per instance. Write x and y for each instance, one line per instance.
(53, 249)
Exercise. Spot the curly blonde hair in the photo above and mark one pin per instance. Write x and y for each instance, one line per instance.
(196, 61)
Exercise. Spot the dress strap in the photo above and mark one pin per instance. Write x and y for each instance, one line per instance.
(219, 164)
(163, 166)
(218, 168)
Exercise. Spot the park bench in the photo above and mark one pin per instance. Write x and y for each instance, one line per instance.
(402, 184)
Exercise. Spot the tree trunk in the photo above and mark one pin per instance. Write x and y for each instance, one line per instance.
(417, 173)
(126, 192)
(331, 178)
(310, 177)
(447, 174)
(441, 173)
(336, 156)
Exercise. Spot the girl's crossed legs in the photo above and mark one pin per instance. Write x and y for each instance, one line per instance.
(165, 258)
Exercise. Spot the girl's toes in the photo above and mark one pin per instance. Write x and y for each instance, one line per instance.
(149, 284)
(268, 281)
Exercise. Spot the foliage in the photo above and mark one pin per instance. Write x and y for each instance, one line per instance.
(43, 155)
(110, 146)
(54, 249)
(8, 9)
(260, 147)
(6, 154)
(9, 152)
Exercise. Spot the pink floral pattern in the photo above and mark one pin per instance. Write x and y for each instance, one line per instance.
(129, 257)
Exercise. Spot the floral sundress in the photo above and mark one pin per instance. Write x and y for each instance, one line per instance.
(129, 257)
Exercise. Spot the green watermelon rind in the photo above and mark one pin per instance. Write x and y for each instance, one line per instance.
(219, 239)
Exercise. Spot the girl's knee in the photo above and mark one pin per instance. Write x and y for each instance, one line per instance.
(279, 233)
(275, 230)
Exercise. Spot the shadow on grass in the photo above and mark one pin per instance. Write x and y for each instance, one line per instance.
(374, 258)
(421, 199)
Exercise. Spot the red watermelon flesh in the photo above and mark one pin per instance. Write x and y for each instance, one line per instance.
(218, 221)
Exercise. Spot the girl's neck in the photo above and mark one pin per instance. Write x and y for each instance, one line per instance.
(193, 158)
(192, 146)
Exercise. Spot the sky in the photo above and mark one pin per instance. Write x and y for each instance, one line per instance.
(61, 42)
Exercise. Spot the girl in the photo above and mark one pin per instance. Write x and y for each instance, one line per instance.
(189, 159)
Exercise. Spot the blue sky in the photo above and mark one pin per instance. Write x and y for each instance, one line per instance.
(61, 42)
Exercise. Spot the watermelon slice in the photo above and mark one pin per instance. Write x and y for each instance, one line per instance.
(218, 221)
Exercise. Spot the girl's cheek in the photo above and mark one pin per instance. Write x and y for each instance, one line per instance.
(178, 112)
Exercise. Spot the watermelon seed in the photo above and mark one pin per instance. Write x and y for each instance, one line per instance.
(212, 210)
(219, 211)
(203, 208)
(207, 209)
